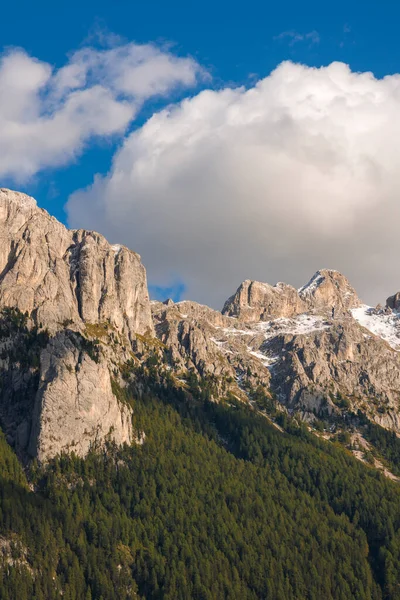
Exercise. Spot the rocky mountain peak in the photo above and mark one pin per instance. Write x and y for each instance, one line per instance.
(287, 342)
(256, 301)
(58, 275)
(329, 289)
(22, 201)
(15, 209)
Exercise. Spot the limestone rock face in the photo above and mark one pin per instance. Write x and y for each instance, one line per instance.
(93, 300)
(255, 301)
(205, 341)
(329, 289)
(288, 341)
(309, 362)
(185, 309)
(75, 407)
(312, 369)
(59, 275)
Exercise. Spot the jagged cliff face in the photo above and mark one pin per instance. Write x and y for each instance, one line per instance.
(255, 301)
(290, 341)
(67, 280)
(79, 390)
(329, 289)
(58, 275)
(209, 343)
(61, 367)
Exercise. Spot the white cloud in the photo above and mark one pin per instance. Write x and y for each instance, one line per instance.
(47, 115)
(294, 37)
(297, 173)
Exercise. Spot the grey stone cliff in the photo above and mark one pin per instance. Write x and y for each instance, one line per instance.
(66, 280)
(255, 301)
(393, 302)
(58, 275)
(204, 340)
(329, 289)
(75, 407)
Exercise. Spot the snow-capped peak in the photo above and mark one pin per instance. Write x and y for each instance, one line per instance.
(313, 284)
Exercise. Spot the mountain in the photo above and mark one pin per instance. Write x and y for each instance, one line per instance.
(90, 299)
(85, 301)
(169, 450)
(287, 341)
(327, 289)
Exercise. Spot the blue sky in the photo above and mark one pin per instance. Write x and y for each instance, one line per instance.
(235, 43)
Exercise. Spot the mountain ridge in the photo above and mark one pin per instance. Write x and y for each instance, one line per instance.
(305, 349)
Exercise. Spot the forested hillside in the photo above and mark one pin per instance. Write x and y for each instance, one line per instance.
(216, 503)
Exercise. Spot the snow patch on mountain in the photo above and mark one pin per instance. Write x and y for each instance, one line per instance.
(267, 361)
(383, 325)
(300, 325)
(234, 331)
(116, 248)
(312, 285)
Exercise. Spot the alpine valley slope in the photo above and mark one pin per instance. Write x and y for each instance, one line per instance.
(77, 322)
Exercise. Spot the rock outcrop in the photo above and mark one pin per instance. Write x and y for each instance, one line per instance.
(393, 302)
(75, 407)
(255, 301)
(313, 362)
(79, 288)
(329, 289)
(315, 371)
(61, 276)
(204, 341)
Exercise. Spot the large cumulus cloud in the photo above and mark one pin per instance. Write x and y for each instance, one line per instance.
(297, 173)
(47, 115)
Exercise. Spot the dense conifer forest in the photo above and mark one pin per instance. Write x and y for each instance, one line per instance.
(216, 503)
